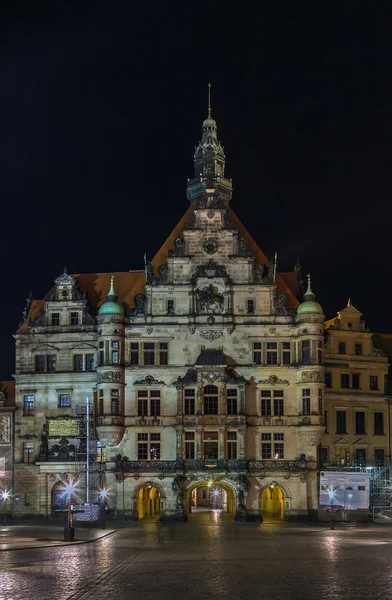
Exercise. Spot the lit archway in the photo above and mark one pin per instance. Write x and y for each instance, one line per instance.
(148, 502)
(210, 496)
(273, 502)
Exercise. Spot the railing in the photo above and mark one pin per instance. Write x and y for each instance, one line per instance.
(140, 466)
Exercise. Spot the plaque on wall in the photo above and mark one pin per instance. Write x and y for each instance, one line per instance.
(63, 428)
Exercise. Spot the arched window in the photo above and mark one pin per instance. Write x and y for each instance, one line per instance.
(210, 400)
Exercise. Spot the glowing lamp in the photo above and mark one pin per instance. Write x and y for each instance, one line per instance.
(69, 489)
(5, 495)
(103, 493)
(209, 483)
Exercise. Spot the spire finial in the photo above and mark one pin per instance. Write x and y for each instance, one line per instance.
(209, 101)
(111, 291)
(309, 296)
(65, 270)
(349, 302)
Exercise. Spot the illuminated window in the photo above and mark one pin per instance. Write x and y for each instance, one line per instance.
(64, 400)
(115, 344)
(28, 405)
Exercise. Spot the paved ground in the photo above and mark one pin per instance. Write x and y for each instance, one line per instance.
(208, 557)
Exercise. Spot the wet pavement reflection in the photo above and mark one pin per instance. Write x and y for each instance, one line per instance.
(209, 556)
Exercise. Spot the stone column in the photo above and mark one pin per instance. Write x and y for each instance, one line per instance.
(221, 447)
(199, 441)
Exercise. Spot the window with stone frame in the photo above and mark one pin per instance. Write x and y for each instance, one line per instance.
(211, 400)
(358, 349)
(305, 351)
(360, 422)
(320, 353)
(90, 366)
(272, 353)
(64, 400)
(189, 401)
(115, 401)
(55, 319)
(306, 405)
(250, 306)
(101, 411)
(278, 403)
(142, 446)
(373, 382)
(149, 403)
(286, 353)
(149, 353)
(78, 362)
(231, 445)
(257, 353)
(378, 423)
(45, 363)
(232, 401)
(266, 403)
(211, 445)
(189, 445)
(28, 405)
(155, 446)
(74, 318)
(28, 452)
(266, 446)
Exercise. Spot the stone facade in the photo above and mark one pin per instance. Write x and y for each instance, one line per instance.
(356, 399)
(204, 373)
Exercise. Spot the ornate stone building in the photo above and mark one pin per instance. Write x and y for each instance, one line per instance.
(357, 405)
(204, 372)
(7, 407)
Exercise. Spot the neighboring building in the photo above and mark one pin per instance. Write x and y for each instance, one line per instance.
(357, 408)
(7, 408)
(205, 372)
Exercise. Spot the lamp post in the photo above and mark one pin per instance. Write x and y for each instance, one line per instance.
(103, 494)
(69, 531)
(4, 496)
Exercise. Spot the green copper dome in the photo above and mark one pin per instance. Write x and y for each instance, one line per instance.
(309, 306)
(111, 306)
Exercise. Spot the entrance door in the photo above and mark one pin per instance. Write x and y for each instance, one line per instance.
(59, 500)
(273, 503)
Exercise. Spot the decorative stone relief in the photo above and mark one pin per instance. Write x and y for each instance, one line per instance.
(211, 269)
(312, 377)
(149, 380)
(310, 438)
(211, 335)
(211, 246)
(109, 376)
(5, 429)
(274, 380)
(281, 304)
(179, 247)
(272, 330)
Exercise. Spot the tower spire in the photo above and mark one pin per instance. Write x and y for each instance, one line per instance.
(209, 102)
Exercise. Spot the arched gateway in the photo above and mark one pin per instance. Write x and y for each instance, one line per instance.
(210, 495)
(147, 500)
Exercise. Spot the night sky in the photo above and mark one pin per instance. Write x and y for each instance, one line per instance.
(101, 105)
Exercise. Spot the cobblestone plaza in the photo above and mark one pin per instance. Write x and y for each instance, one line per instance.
(209, 556)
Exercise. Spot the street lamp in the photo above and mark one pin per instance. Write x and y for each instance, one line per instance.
(103, 494)
(4, 496)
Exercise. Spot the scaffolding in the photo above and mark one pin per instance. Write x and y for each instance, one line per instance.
(89, 455)
(380, 494)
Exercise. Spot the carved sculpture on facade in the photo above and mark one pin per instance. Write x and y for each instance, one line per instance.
(211, 334)
(162, 278)
(140, 305)
(149, 380)
(109, 376)
(243, 247)
(179, 247)
(209, 270)
(274, 380)
(210, 300)
(5, 429)
(265, 273)
(312, 377)
(281, 304)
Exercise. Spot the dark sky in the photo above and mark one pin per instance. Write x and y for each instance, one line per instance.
(101, 105)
